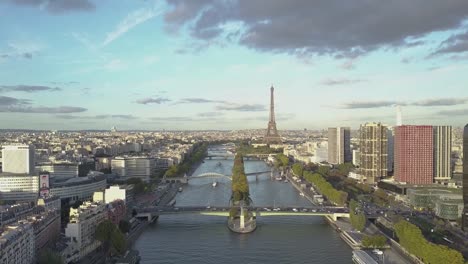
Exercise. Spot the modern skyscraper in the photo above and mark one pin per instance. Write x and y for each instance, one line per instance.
(414, 155)
(390, 148)
(442, 152)
(373, 151)
(465, 178)
(18, 159)
(272, 136)
(339, 150)
(399, 120)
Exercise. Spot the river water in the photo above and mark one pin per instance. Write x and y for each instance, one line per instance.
(206, 239)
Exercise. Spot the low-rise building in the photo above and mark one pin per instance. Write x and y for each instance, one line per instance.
(82, 227)
(17, 243)
(447, 203)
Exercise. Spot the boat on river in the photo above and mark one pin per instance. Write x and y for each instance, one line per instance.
(214, 184)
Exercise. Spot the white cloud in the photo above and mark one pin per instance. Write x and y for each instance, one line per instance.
(133, 19)
(150, 59)
(115, 65)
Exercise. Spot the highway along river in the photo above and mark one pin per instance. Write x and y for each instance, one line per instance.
(206, 239)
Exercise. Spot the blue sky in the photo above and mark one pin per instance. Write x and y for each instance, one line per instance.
(202, 64)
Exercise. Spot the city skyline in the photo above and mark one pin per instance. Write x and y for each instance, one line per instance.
(183, 65)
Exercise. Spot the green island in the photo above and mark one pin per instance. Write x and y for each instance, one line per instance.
(241, 219)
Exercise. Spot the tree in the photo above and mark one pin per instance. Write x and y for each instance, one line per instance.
(172, 171)
(103, 233)
(298, 169)
(323, 170)
(124, 226)
(357, 217)
(49, 257)
(119, 245)
(376, 241)
(411, 238)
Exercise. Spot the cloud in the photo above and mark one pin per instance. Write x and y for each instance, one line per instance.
(126, 117)
(132, 20)
(332, 82)
(441, 102)
(370, 104)
(348, 65)
(242, 107)
(42, 109)
(10, 101)
(456, 112)
(115, 65)
(210, 114)
(320, 27)
(149, 100)
(27, 88)
(457, 43)
(58, 6)
(65, 83)
(173, 119)
(423, 103)
(198, 101)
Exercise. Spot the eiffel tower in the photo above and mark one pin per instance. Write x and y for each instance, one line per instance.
(272, 136)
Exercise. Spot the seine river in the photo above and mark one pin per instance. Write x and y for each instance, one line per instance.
(206, 239)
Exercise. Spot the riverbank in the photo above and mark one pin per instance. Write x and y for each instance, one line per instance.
(392, 255)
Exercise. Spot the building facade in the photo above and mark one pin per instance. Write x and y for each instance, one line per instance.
(133, 167)
(339, 149)
(60, 171)
(373, 151)
(18, 159)
(18, 187)
(17, 244)
(465, 178)
(442, 153)
(81, 188)
(82, 227)
(390, 149)
(414, 154)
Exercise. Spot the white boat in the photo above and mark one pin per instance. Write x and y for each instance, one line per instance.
(286, 181)
(279, 178)
(214, 184)
(302, 194)
(180, 189)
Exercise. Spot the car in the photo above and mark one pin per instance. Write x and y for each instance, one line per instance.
(314, 211)
(294, 210)
(304, 210)
(176, 209)
(276, 209)
(208, 207)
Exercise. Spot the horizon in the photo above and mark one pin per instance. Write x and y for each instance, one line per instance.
(193, 66)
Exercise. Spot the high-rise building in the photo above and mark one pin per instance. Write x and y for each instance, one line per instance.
(442, 152)
(465, 178)
(133, 167)
(373, 151)
(414, 154)
(390, 149)
(18, 159)
(339, 150)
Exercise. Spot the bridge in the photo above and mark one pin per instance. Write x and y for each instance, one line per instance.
(334, 213)
(232, 155)
(211, 175)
